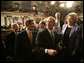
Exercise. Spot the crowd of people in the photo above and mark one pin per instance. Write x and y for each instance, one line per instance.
(53, 40)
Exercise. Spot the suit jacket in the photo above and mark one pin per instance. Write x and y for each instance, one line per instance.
(44, 41)
(61, 23)
(23, 47)
(10, 40)
(74, 36)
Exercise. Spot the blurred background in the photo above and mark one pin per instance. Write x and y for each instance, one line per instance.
(14, 11)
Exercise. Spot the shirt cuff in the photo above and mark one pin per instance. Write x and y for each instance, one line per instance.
(46, 50)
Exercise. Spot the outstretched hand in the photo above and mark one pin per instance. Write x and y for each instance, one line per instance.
(51, 52)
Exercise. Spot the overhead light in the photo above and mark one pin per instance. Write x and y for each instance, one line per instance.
(62, 1)
(69, 4)
(62, 5)
(52, 2)
(12, 16)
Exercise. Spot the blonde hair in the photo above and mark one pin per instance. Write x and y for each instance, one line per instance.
(73, 15)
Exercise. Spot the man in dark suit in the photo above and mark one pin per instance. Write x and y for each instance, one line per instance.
(25, 44)
(42, 25)
(46, 41)
(10, 40)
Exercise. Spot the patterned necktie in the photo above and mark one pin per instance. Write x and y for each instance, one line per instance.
(52, 36)
(30, 36)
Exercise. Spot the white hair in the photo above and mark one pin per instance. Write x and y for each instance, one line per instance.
(50, 17)
(57, 13)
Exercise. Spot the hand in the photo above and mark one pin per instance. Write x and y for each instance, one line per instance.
(33, 50)
(51, 52)
(59, 47)
(73, 53)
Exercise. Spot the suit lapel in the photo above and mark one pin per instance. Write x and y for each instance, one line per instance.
(64, 28)
(27, 37)
(26, 34)
(33, 37)
(71, 32)
(48, 34)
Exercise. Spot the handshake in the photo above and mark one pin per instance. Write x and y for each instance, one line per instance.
(51, 52)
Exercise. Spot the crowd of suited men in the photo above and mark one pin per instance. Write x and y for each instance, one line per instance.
(51, 40)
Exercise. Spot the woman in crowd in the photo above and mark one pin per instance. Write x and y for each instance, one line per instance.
(70, 37)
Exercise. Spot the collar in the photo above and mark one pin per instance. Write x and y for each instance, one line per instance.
(28, 31)
(49, 31)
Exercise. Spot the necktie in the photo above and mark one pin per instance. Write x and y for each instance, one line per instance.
(30, 36)
(52, 36)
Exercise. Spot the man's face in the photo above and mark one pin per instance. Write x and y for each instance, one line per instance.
(16, 28)
(30, 26)
(42, 26)
(50, 23)
(57, 16)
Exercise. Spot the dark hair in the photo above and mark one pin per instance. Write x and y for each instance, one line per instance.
(42, 22)
(28, 22)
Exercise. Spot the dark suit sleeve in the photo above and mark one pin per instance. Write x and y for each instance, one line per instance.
(10, 40)
(18, 49)
(61, 23)
(77, 39)
(18, 46)
(61, 34)
(39, 41)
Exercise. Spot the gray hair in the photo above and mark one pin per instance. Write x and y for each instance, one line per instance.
(51, 17)
(57, 14)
